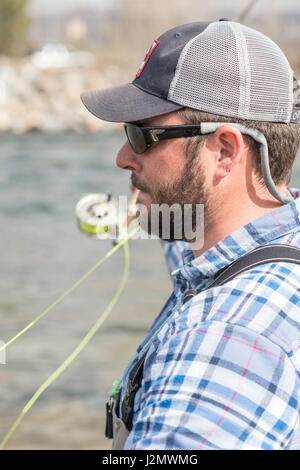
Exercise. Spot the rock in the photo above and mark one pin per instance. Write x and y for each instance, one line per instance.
(49, 100)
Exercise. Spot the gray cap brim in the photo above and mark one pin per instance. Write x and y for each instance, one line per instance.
(126, 103)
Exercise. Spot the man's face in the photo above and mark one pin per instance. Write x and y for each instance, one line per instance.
(165, 174)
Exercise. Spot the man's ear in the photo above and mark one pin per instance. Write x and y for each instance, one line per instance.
(230, 144)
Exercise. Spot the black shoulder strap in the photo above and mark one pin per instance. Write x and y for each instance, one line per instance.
(261, 255)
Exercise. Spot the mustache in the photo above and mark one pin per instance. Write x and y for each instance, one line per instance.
(137, 184)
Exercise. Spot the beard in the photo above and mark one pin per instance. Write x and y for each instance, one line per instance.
(186, 197)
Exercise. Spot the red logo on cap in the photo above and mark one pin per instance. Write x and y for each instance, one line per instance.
(147, 57)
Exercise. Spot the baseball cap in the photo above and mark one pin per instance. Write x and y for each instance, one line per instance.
(221, 67)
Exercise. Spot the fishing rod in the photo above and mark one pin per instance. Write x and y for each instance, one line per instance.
(246, 11)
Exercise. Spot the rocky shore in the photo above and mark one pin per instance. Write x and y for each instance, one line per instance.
(48, 100)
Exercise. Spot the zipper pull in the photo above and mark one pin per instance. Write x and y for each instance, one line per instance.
(109, 420)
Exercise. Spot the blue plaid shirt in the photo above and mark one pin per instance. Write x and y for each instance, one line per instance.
(223, 370)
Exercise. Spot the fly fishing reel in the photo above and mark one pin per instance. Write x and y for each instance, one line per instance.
(99, 216)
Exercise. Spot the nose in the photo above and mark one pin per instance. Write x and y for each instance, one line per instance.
(127, 159)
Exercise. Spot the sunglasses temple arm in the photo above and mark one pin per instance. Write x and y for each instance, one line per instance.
(209, 128)
(176, 133)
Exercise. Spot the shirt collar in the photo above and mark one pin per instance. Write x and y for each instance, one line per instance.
(261, 231)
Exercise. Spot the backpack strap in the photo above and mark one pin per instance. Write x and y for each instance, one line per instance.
(262, 255)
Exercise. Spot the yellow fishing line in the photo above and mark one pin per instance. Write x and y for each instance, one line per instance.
(81, 345)
(83, 278)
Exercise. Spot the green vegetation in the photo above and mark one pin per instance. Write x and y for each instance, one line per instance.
(13, 26)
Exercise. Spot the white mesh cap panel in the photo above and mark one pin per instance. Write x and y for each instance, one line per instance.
(245, 72)
(271, 79)
(201, 79)
(232, 70)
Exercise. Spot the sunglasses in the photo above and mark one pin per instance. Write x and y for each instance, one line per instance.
(141, 138)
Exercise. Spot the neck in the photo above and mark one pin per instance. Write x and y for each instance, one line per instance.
(233, 214)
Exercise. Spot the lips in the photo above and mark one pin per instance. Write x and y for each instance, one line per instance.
(138, 185)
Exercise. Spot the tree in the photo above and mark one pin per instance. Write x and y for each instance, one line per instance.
(13, 26)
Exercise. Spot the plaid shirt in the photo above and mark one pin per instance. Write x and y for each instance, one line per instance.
(223, 371)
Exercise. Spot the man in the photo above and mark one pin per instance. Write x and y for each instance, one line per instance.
(218, 368)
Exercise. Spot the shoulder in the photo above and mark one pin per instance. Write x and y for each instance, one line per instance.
(264, 299)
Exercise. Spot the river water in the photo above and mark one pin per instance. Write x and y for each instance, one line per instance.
(42, 254)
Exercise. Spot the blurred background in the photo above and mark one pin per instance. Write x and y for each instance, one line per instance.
(52, 151)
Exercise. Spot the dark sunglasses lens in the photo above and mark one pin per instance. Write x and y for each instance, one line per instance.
(136, 138)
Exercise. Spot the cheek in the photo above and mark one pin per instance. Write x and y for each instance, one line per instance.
(207, 168)
(170, 160)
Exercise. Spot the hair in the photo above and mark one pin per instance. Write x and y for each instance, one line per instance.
(283, 140)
